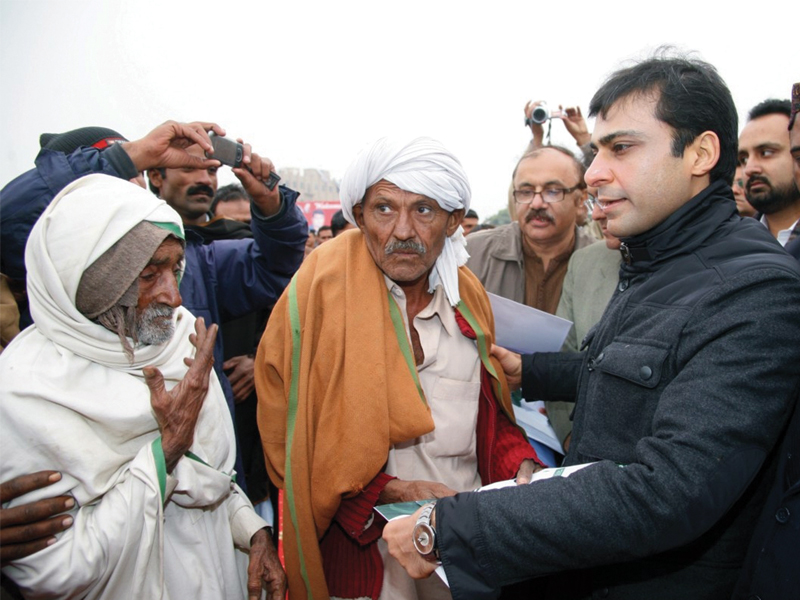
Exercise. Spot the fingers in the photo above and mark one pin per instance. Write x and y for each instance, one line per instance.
(25, 534)
(197, 133)
(525, 472)
(12, 552)
(33, 512)
(27, 483)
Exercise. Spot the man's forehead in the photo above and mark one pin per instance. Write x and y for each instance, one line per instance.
(547, 165)
(386, 189)
(772, 128)
(169, 250)
(629, 113)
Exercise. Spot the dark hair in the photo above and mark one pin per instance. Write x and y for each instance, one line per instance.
(772, 106)
(228, 193)
(324, 228)
(692, 99)
(150, 185)
(471, 214)
(579, 166)
(338, 222)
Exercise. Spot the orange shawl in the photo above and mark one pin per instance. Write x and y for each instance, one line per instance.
(337, 387)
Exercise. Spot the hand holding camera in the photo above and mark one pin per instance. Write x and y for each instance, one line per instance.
(538, 113)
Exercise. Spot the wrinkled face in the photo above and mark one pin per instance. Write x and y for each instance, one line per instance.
(238, 210)
(768, 170)
(744, 208)
(404, 232)
(794, 145)
(640, 183)
(539, 221)
(189, 191)
(469, 223)
(158, 294)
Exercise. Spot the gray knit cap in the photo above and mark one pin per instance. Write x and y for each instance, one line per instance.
(113, 278)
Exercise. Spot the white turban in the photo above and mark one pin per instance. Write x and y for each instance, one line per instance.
(420, 166)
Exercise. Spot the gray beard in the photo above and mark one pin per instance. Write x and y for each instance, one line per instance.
(154, 325)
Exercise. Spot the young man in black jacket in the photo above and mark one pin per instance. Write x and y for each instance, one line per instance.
(683, 388)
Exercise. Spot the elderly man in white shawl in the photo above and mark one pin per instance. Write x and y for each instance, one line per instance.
(113, 386)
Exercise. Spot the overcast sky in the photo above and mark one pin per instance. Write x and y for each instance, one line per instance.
(310, 83)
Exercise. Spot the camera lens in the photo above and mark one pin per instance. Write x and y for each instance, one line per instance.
(540, 114)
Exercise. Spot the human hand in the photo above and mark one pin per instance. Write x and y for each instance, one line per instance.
(165, 146)
(254, 174)
(526, 469)
(177, 411)
(31, 527)
(398, 535)
(575, 124)
(511, 363)
(264, 570)
(241, 376)
(398, 490)
(536, 128)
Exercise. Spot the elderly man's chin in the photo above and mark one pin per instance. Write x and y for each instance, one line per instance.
(154, 325)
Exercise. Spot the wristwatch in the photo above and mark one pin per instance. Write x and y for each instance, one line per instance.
(425, 535)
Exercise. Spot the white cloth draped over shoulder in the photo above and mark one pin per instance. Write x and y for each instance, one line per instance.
(71, 401)
(421, 166)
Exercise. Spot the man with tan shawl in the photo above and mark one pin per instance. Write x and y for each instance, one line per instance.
(374, 377)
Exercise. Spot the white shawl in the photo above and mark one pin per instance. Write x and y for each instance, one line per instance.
(71, 401)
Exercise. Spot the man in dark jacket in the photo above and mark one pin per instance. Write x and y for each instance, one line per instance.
(682, 395)
(770, 571)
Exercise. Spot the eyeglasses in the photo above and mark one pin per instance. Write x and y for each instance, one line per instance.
(592, 203)
(550, 195)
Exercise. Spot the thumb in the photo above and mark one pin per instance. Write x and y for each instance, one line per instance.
(498, 352)
(154, 380)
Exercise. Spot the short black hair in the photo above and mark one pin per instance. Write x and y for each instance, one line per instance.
(324, 228)
(338, 222)
(771, 106)
(228, 193)
(692, 99)
(471, 214)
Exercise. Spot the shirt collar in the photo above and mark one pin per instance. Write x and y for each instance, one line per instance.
(438, 306)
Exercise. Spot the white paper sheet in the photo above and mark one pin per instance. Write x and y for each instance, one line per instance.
(527, 330)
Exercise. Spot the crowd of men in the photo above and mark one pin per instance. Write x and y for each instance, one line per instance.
(175, 357)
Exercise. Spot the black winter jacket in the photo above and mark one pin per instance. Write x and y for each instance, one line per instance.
(683, 391)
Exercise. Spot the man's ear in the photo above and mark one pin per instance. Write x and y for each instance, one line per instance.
(454, 220)
(155, 180)
(706, 153)
(358, 214)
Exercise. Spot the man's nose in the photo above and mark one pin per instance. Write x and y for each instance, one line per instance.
(404, 226)
(169, 292)
(598, 173)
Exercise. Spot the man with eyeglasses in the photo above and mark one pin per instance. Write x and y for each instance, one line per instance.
(526, 261)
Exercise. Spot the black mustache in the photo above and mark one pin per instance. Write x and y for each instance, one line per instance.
(539, 213)
(200, 189)
(757, 179)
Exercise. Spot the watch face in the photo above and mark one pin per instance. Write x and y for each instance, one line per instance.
(423, 538)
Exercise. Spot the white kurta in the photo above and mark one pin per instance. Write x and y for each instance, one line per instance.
(72, 402)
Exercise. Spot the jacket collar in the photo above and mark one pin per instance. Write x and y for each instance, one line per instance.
(682, 232)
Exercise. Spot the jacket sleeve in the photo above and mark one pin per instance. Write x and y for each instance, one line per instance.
(252, 274)
(551, 376)
(715, 423)
(23, 199)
